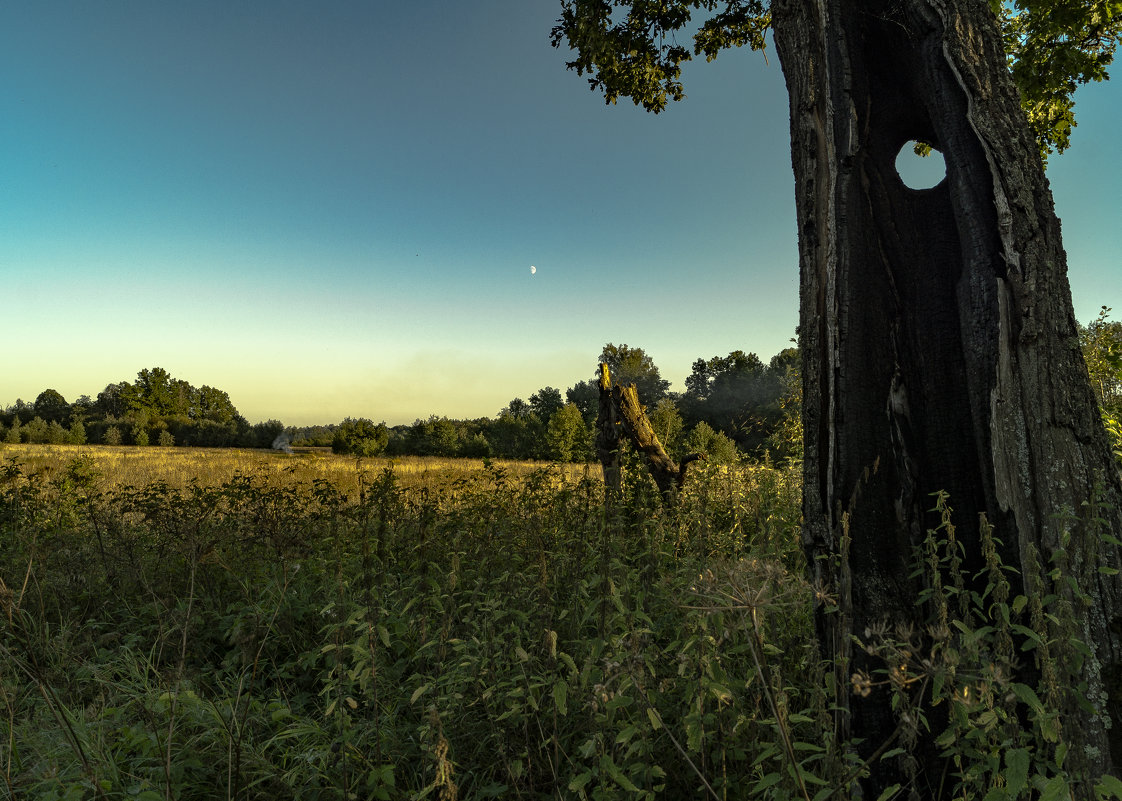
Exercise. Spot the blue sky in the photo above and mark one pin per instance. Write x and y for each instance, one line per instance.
(331, 209)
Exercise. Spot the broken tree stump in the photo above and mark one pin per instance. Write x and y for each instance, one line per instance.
(620, 409)
(607, 442)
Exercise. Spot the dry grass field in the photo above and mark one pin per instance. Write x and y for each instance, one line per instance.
(130, 465)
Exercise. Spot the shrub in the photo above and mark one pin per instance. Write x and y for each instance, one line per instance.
(360, 437)
(56, 433)
(567, 436)
(112, 436)
(714, 444)
(77, 433)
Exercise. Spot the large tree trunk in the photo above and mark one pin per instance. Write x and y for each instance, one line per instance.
(938, 340)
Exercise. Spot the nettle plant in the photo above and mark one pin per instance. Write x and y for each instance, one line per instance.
(1004, 737)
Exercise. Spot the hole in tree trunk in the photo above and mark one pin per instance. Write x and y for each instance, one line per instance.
(920, 172)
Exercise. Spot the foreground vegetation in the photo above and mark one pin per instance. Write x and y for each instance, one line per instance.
(473, 635)
(320, 627)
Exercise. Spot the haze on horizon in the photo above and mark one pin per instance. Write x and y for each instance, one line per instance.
(332, 211)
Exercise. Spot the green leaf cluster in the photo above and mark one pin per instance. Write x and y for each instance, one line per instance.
(1101, 343)
(1054, 46)
(360, 437)
(631, 48)
(965, 678)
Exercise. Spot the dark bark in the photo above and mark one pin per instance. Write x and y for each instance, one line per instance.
(607, 442)
(938, 341)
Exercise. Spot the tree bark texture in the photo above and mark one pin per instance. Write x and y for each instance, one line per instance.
(607, 442)
(939, 345)
(668, 475)
(620, 410)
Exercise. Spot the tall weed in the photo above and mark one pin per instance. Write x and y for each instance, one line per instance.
(484, 634)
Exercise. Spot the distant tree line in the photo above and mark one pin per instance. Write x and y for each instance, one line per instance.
(733, 405)
(155, 409)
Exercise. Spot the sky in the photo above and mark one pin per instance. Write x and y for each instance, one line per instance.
(332, 209)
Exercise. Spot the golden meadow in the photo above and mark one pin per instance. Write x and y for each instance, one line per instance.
(178, 467)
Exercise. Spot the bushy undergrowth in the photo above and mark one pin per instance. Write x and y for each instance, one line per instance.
(485, 637)
(489, 634)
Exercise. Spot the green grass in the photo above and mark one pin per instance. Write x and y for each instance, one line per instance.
(467, 630)
(472, 635)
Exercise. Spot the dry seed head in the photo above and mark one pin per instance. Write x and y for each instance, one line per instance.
(898, 675)
(939, 632)
(823, 596)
